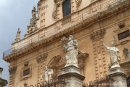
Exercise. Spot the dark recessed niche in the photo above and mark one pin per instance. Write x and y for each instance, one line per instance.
(121, 25)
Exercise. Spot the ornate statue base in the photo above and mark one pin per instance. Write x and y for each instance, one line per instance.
(72, 76)
(118, 78)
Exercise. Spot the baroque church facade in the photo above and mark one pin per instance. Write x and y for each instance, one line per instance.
(92, 25)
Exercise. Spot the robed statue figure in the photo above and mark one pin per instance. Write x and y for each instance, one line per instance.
(113, 52)
(71, 48)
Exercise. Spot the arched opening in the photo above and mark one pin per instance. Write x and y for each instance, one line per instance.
(66, 7)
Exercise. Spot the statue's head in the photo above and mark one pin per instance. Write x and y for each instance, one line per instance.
(112, 44)
(70, 37)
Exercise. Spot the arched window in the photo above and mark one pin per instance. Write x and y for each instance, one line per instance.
(66, 7)
(128, 81)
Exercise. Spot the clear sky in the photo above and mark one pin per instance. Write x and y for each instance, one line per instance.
(14, 14)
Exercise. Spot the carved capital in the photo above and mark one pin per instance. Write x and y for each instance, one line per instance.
(42, 57)
(98, 34)
(12, 70)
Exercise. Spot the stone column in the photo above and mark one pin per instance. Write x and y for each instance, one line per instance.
(3, 82)
(72, 76)
(118, 78)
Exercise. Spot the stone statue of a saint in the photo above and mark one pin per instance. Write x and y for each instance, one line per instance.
(71, 49)
(114, 58)
(18, 35)
(47, 74)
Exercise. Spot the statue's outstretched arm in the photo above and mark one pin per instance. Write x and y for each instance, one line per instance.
(104, 45)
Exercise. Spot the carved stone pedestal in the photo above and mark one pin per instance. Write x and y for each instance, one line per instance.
(118, 78)
(72, 76)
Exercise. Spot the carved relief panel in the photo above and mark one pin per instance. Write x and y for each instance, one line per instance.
(41, 60)
(99, 53)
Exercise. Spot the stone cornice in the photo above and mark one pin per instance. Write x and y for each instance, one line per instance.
(73, 29)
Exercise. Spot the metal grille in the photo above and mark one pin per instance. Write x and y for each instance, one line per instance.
(66, 7)
(124, 35)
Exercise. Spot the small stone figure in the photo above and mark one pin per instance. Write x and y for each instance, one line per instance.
(18, 35)
(114, 59)
(34, 12)
(48, 74)
(71, 49)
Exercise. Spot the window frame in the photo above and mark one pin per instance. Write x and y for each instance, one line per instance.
(119, 31)
(28, 75)
(63, 10)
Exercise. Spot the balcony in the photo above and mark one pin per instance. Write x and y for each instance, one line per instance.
(87, 14)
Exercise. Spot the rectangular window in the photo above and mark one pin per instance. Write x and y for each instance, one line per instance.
(26, 72)
(123, 35)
